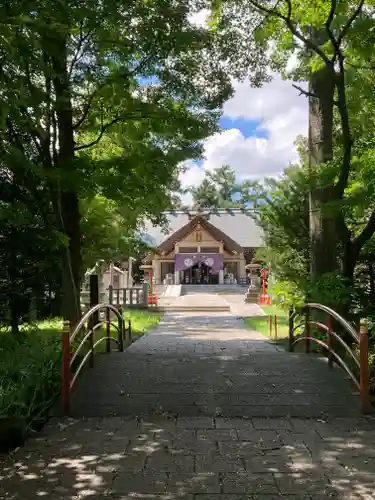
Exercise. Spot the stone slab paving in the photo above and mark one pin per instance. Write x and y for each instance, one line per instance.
(196, 300)
(200, 364)
(200, 458)
(239, 307)
(178, 394)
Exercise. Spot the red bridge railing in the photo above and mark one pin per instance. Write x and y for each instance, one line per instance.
(357, 350)
(74, 354)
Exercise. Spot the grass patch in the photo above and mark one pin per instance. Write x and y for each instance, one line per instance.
(260, 323)
(142, 320)
(30, 373)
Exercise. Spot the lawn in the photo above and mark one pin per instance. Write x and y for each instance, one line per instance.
(141, 321)
(261, 323)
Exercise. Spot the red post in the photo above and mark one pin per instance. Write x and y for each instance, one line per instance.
(275, 325)
(150, 281)
(65, 368)
(307, 330)
(270, 325)
(330, 342)
(364, 376)
(108, 329)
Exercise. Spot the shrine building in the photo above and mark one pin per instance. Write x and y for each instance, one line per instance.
(206, 247)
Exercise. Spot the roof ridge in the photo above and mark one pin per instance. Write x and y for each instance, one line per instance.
(210, 211)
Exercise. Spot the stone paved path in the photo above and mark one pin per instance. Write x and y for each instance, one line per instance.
(194, 459)
(192, 400)
(200, 364)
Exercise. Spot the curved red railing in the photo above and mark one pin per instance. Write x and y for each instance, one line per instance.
(361, 379)
(88, 324)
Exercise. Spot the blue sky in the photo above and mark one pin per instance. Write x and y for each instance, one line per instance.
(248, 128)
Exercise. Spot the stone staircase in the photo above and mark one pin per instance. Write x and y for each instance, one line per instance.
(194, 302)
(215, 289)
(159, 290)
(172, 291)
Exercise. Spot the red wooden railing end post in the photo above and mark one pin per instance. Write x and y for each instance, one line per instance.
(364, 377)
(65, 369)
(270, 325)
(275, 325)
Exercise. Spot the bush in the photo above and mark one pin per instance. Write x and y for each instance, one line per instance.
(30, 370)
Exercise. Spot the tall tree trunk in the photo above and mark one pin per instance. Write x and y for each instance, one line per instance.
(68, 204)
(323, 237)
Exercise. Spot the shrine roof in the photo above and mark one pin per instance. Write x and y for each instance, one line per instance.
(239, 225)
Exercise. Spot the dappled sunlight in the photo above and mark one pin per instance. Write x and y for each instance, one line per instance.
(189, 403)
(161, 458)
(198, 365)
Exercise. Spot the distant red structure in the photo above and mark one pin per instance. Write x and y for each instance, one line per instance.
(264, 299)
(152, 299)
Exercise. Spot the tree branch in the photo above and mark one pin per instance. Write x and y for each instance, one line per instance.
(366, 233)
(328, 23)
(342, 229)
(86, 109)
(111, 80)
(288, 21)
(78, 54)
(104, 127)
(304, 92)
(350, 22)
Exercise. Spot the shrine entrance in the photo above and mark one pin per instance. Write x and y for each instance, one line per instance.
(199, 274)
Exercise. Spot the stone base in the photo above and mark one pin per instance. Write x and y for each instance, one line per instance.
(251, 297)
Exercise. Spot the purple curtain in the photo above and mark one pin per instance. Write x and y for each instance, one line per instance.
(185, 260)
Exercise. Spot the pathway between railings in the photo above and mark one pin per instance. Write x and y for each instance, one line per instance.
(211, 365)
(192, 400)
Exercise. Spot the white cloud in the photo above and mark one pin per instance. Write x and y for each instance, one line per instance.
(282, 112)
(199, 18)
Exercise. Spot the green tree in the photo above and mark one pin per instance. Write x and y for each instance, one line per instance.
(224, 178)
(74, 74)
(205, 195)
(324, 37)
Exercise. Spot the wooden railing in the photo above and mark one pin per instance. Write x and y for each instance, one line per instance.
(129, 297)
(357, 349)
(74, 356)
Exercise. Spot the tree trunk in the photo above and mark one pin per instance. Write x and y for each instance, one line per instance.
(323, 238)
(68, 204)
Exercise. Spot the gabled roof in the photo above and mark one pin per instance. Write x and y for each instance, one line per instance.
(168, 244)
(239, 225)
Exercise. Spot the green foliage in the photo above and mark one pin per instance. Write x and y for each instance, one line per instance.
(221, 189)
(30, 376)
(286, 295)
(224, 178)
(332, 289)
(30, 370)
(205, 195)
(98, 102)
(107, 232)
